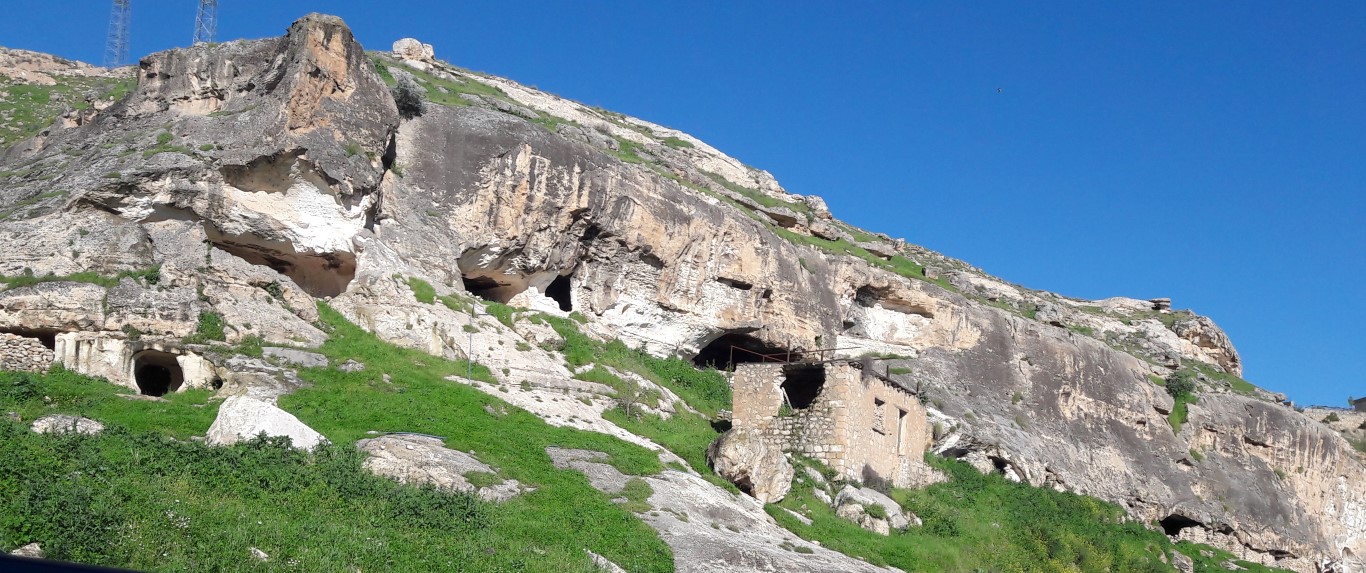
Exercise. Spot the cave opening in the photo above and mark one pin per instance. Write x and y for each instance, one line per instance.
(487, 288)
(157, 373)
(802, 383)
(320, 275)
(560, 291)
(1174, 523)
(731, 349)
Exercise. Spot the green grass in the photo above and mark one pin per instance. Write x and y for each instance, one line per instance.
(446, 91)
(1238, 385)
(1177, 417)
(676, 143)
(26, 109)
(150, 275)
(977, 522)
(210, 328)
(546, 530)
(760, 197)
(60, 391)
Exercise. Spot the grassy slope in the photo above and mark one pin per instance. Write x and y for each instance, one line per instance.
(26, 109)
(134, 497)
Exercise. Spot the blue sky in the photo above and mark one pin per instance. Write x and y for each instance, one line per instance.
(1214, 153)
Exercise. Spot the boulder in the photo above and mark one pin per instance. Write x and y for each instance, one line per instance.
(826, 230)
(32, 550)
(63, 424)
(243, 417)
(419, 459)
(758, 469)
(412, 49)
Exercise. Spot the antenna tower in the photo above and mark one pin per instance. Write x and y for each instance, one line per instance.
(206, 21)
(116, 46)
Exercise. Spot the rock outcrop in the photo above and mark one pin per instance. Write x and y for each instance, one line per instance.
(417, 459)
(64, 424)
(254, 177)
(758, 469)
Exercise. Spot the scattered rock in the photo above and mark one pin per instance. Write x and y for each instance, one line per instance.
(62, 423)
(1182, 563)
(32, 550)
(243, 417)
(351, 366)
(741, 456)
(802, 518)
(880, 249)
(300, 358)
(259, 555)
(826, 230)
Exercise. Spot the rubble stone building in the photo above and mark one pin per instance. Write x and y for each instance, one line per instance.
(861, 425)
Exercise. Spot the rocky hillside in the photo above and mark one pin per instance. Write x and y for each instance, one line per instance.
(200, 216)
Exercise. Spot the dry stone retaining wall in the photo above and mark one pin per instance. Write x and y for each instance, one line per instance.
(21, 353)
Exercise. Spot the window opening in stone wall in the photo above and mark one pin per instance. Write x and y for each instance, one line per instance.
(900, 432)
(878, 407)
(157, 373)
(802, 383)
(559, 291)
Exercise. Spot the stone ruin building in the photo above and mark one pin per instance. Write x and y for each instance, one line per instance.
(863, 426)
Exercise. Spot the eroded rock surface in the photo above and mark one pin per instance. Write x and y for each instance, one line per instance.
(748, 461)
(418, 459)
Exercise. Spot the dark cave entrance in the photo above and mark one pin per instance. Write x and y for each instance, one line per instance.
(802, 383)
(487, 288)
(731, 349)
(560, 291)
(157, 373)
(1174, 523)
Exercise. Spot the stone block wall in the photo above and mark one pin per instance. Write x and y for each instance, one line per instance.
(855, 422)
(21, 353)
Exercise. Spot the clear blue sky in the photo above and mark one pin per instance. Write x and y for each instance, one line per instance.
(1211, 152)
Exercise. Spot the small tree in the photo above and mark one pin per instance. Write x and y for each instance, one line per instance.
(1181, 383)
(408, 96)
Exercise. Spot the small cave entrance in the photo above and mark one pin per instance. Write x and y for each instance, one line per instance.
(802, 383)
(1174, 523)
(731, 349)
(560, 291)
(489, 289)
(157, 373)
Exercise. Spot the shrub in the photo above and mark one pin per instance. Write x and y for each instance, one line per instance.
(408, 96)
(1181, 383)
(1332, 417)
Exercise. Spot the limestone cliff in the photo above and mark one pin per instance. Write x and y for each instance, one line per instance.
(260, 174)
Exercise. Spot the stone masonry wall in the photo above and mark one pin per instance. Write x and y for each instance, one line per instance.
(20, 353)
(856, 422)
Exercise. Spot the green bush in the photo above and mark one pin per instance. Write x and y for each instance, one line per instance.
(409, 97)
(1181, 383)
(209, 328)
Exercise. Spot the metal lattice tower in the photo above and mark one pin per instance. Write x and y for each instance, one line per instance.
(206, 21)
(116, 46)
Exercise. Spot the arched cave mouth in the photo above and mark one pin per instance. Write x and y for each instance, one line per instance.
(1174, 523)
(731, 349)
(560, 290)
(157, 373)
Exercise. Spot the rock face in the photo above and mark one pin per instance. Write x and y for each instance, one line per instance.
(243, 418)
(257, 176)
(415, 459)
(758, 469)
